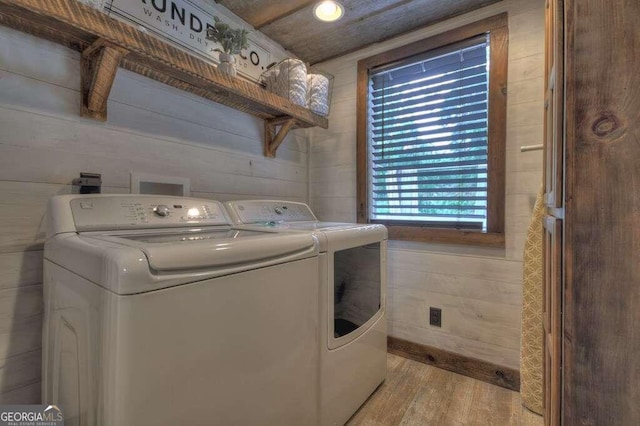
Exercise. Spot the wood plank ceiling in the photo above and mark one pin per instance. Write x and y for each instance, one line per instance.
(291, 23)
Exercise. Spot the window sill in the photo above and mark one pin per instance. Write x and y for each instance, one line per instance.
(447, 236)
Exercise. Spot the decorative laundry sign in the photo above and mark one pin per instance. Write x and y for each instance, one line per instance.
(184, 23)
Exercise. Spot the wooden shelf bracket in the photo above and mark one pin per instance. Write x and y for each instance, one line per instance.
(273, 138)
(98, 66)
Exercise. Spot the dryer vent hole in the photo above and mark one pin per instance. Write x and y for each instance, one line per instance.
(342, 327)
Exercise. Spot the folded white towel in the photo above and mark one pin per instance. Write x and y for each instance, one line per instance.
(318, 94)
(289, 80)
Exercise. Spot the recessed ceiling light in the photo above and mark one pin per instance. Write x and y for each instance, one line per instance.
(328, 11)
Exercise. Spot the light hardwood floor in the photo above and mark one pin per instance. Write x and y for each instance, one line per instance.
(419, 394)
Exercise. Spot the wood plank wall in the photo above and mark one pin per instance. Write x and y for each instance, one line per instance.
(478, 289)
(601, 241)
(151, 128)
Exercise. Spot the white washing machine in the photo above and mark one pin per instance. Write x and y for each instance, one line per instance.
(158, 312)
(353, 280)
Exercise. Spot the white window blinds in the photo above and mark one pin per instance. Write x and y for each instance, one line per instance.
(428, 138)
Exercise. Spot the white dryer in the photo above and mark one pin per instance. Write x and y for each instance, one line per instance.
(158, 312)
(353, 281)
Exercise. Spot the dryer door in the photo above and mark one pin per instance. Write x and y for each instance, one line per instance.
(358, 281)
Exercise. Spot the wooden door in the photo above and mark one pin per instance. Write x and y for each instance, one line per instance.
(553, 179)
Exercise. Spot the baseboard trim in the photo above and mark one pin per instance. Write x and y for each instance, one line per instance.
(478, 369)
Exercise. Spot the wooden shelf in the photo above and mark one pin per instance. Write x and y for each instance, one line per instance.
(107, 44)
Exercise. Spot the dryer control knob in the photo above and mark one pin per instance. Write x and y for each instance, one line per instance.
(161, 210)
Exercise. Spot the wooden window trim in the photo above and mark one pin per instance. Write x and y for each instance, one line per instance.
(497, 27)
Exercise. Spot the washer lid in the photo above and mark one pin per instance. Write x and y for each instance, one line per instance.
(201, 248)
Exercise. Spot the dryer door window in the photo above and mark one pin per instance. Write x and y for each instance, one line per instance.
(357, 287)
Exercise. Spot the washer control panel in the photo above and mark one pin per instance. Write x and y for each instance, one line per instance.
(130, 212)
(256, 211)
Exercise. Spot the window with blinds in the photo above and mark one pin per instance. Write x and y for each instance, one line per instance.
(428, 138)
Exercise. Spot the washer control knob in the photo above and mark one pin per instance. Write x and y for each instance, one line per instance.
(278, 210)
(161, 210)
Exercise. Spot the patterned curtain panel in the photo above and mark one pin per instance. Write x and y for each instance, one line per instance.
(531, 355)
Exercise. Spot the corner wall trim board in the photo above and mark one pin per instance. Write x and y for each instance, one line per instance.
(487, 372)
